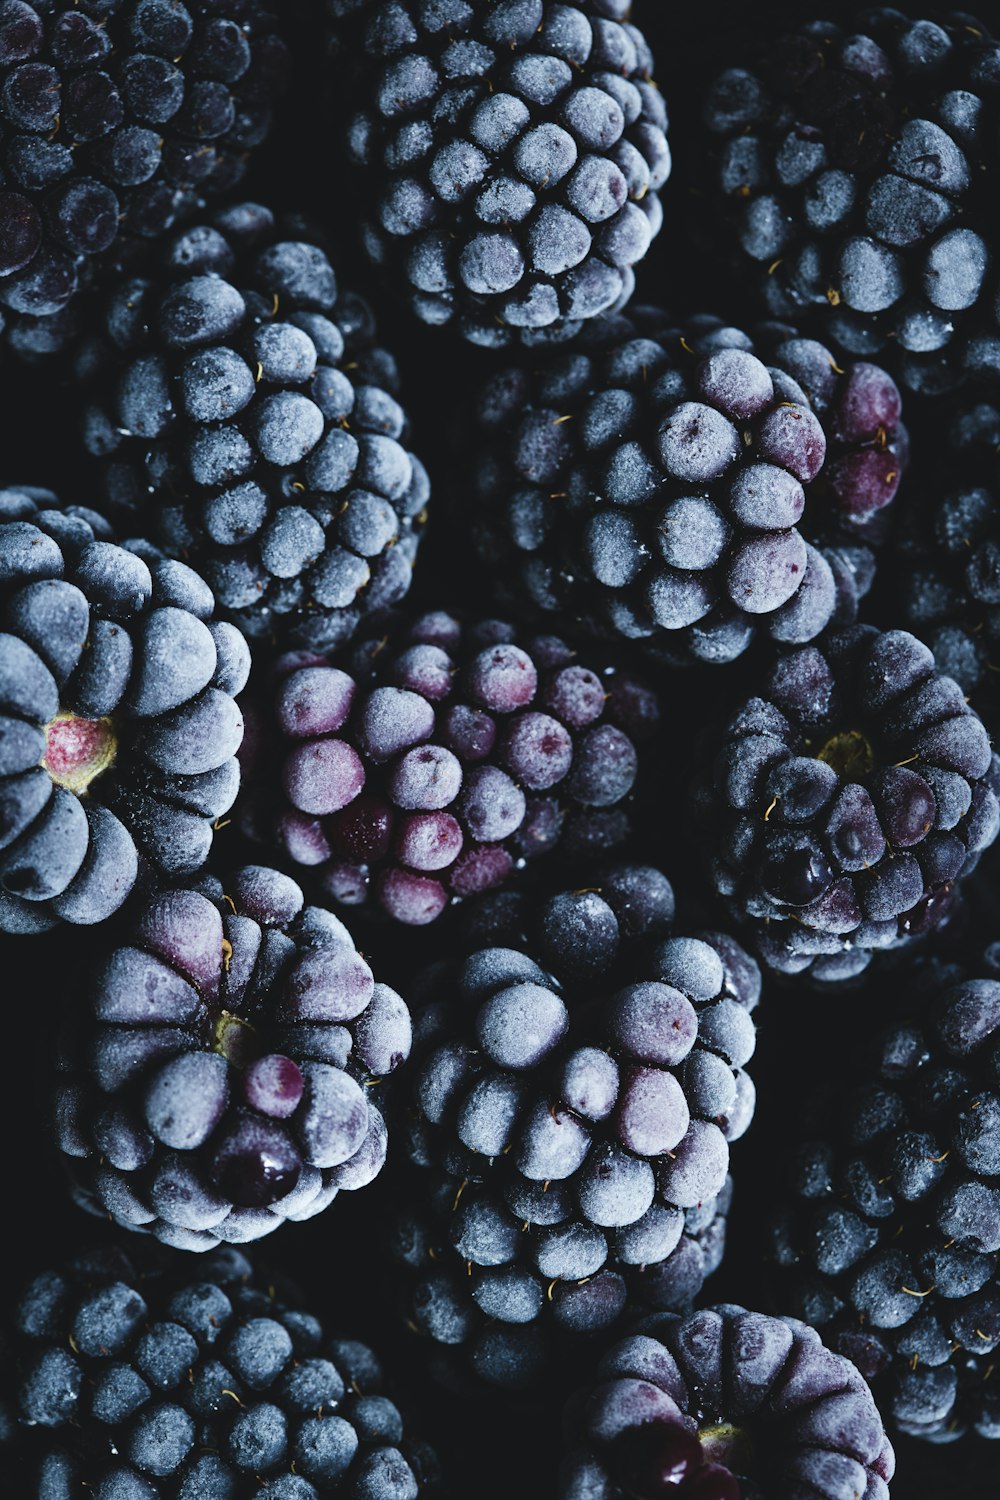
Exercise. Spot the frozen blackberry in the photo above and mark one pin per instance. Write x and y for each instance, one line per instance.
(687, 486)
(508, 158)
(888, 1238)
(217, 1081)
(846, 803)
(434, 762)
(131, 1379)
(947, 559)
(119, 118)
(119, 723)
(249, 422)
(724, 1404)
(857, 169)
(573, 1101)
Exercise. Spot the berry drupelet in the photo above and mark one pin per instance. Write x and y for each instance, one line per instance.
(118, 118)
(688, 486)
(724, 1404)
(508, 157)
(133, 1379)
(119, 723)
(216, 1082)
(888, 1238)
(857, 169)
(573, 1101)
(847, 802)
(431, 763)
(249, 423)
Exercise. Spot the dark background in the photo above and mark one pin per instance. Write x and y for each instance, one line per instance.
(490, 1446)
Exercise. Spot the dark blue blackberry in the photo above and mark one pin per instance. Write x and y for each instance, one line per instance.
(216, 1082)
(857, 168)
(888, 1234)
(686, 486)
(724, 1404)
(119, 119)
(249, 422)
(573, 1101)
(131, 1379)
(119, 723)
(845, 805)
(508, 158)
(437, 760)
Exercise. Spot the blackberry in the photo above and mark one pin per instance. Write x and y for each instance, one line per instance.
(249, 422)
(119, 119)
(216, 1083)
(573, 1101)
(433, 762)
(130, 1377)
(686, 485)
(119, 725)
(857, 168)
(724, 1404)
(888, 1235)
(508, 158)
(847, 802)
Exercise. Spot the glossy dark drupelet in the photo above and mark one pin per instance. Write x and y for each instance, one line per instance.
(118, 119)
(249, 422)
(131, 1378)
(118, 719)
(508, 159)
(724, 1404)
(215, 1082)
(431, 763)
(568, 1147)
(888, 1237)
(847, 802)
(856, 167)
(686, 486)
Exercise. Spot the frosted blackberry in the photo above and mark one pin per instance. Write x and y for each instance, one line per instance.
(573, 1104)
(724, 1404)
(249, 422)
(215, 1082)
(889, 1232)
(687, 486)
(119, 119)
(119, 723)
(847, 802)
(434, 762)
(856, 168)
(947, 561)
(131, 1377)
(509, 158)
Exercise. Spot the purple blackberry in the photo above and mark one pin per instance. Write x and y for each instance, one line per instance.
(568, 1146)
(128, 1377)
(724, 1404)
(846, 803)
(888, 1236)
(249, 422)
(216, 1083)
(432, 763)
(857, 169)
(687, 486)
(509, 158)
(119, 726)
(119, 119)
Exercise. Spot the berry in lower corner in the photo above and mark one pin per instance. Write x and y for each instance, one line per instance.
(119, 722)
(847, 802)
(217, 1080)
(724, 1404)
(248, 421)
(131, 1378)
